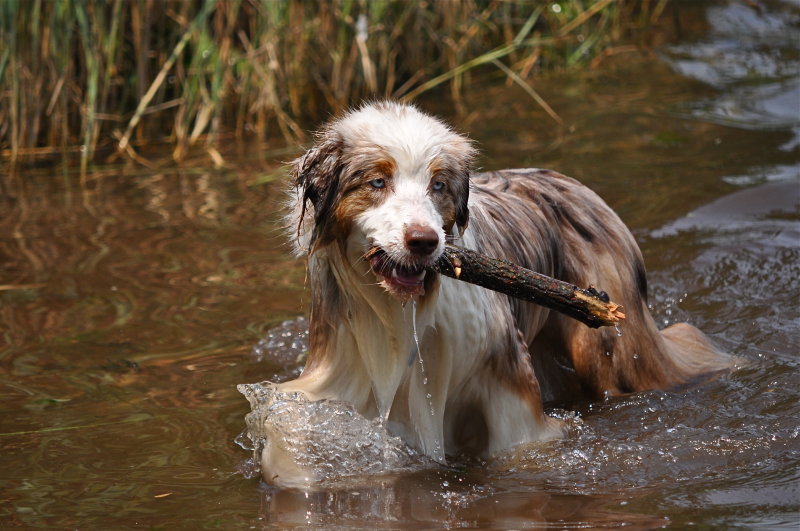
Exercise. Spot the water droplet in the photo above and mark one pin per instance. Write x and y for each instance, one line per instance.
(414, 329)
(618, 330)
(244, 441)
(421, 363)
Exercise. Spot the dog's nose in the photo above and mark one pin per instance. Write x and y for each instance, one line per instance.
(421, 240)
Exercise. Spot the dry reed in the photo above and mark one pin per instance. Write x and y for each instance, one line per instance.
(94, 78)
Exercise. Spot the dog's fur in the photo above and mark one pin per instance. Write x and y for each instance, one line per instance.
(482, 365)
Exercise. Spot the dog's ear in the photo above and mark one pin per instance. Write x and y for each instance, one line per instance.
(462, 200)
(463, 154)
(460, 187)
(316, 176)
(462, 209)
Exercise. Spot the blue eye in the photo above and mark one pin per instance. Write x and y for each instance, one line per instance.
(437, 186)
(378, 183)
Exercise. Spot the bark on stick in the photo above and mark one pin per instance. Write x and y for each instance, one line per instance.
(589, 306)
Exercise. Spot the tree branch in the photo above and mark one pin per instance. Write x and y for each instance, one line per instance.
(589, 306)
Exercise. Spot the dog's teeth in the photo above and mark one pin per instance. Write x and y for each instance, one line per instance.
(405, 277)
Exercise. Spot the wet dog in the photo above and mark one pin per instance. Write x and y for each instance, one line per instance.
(453, 368)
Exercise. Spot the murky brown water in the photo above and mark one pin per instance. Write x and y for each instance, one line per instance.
(130, 305)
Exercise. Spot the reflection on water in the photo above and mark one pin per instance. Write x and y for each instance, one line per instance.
(120, 302)
(751, 53)
(132, 304)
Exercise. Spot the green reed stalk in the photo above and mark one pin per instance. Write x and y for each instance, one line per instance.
(92, 81)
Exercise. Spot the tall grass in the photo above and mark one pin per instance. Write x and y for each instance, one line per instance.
(96, 78)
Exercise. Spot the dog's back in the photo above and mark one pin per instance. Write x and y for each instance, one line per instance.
(554, 225)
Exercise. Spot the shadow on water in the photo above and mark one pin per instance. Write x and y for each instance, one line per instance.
(131, 306)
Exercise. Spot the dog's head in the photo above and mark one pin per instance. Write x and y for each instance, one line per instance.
(389, 182)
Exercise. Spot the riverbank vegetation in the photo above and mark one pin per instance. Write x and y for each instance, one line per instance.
(99, 80)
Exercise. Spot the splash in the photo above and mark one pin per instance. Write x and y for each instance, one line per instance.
(286, 344)
(326, 437)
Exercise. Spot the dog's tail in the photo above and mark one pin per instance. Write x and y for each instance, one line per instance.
(692, 352)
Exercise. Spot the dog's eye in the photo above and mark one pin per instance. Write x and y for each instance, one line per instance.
(437, 186)
(378, 183)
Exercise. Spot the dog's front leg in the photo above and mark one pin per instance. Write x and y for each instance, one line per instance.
(279, 467)
(299, 424)
(512, 403)
(276, 427)
(511, 420)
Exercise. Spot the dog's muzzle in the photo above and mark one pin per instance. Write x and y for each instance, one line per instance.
(406, 277)
(403, 278)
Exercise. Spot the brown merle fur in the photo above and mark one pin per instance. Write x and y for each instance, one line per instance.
(552, 224)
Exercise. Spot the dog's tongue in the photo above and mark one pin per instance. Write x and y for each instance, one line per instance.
(408, 277)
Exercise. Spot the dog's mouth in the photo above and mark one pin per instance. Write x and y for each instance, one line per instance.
(401, 279)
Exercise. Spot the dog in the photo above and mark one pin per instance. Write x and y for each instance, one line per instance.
(452, 368)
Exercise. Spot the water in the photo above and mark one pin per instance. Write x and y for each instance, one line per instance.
(422, 363)
(131, 305)
(327, 438)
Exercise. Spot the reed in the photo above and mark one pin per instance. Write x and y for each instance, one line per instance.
(98, 78)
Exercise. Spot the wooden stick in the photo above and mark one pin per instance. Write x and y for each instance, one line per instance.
(589, 306)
